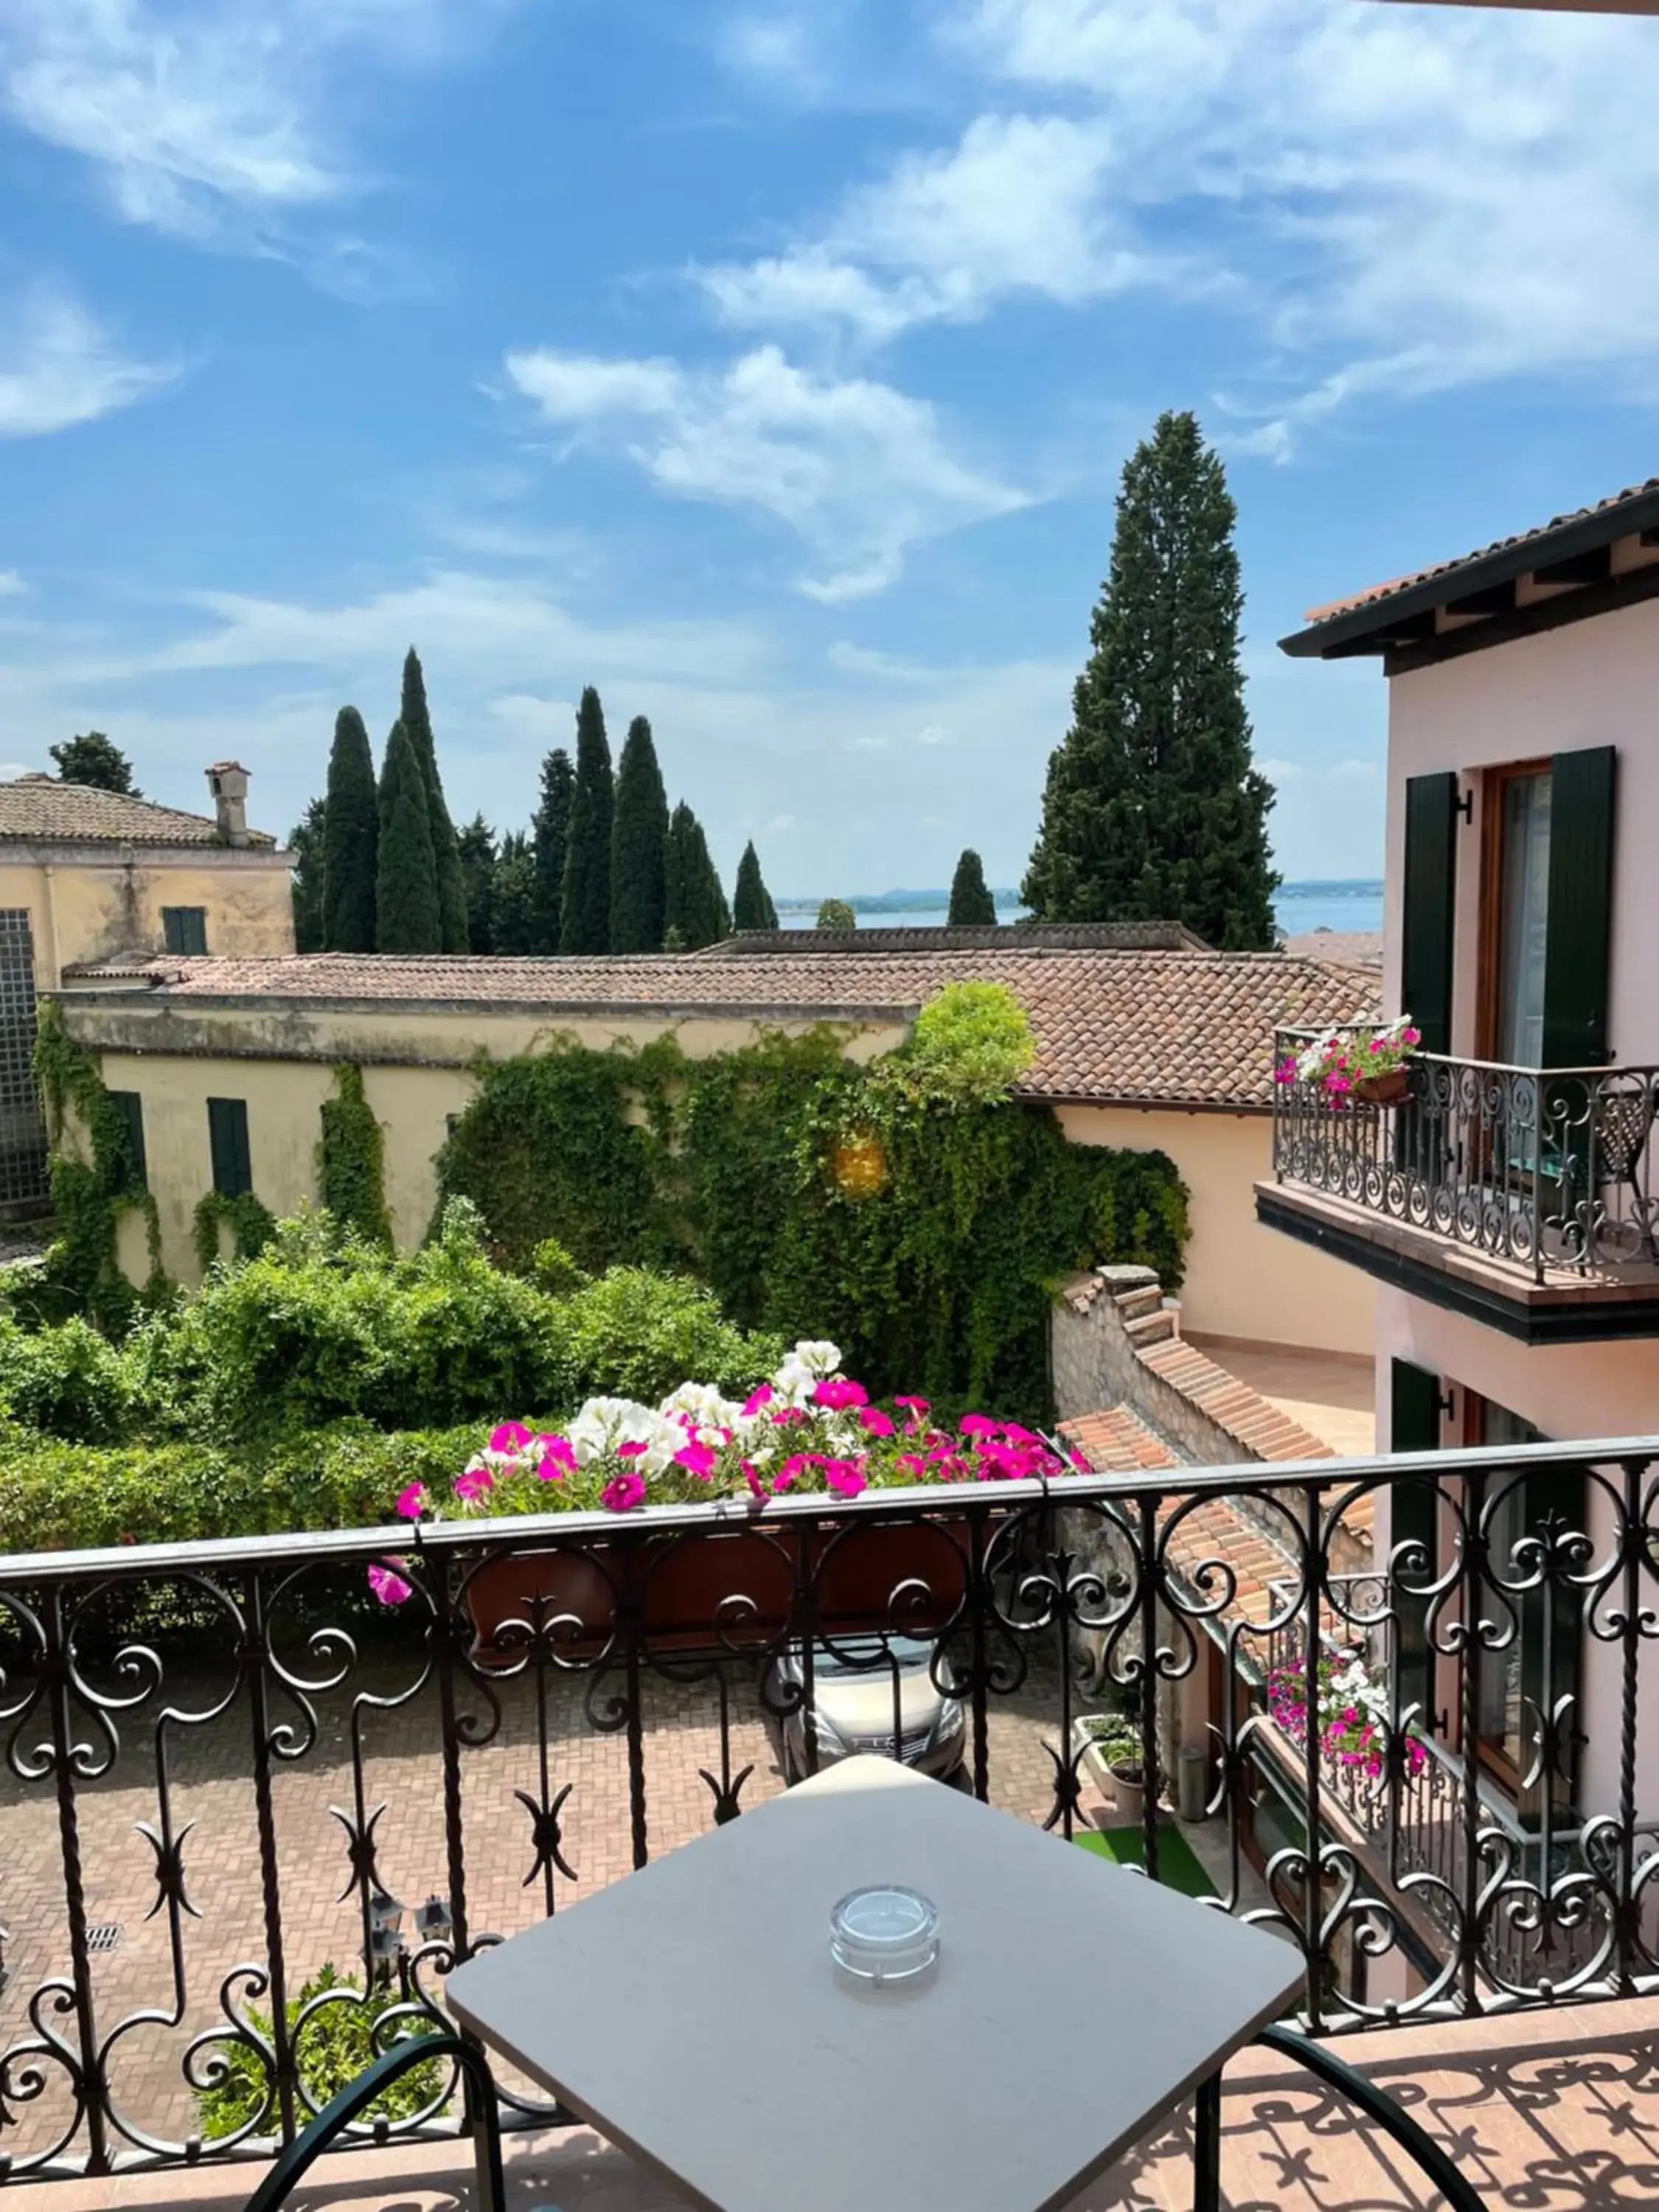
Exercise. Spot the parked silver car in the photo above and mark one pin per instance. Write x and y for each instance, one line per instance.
(859, 1684)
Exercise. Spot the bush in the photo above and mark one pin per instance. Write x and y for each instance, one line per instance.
(635, 1335)
(971, 1044)
(68, 1380)
(333, 2047)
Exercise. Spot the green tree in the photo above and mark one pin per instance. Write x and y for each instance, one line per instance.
(446, 850)
(351, 836)
(639, 847)
(305, 883)
(551, 832)
(479, 861)
(1153, 810)
(95, 761)
(515, 922)
(696, 908)
(584, 913)
(751, 902)
(970, 902)
(409, 915)
(836, 913)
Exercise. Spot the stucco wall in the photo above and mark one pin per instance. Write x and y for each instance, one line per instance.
(1589, 684)
(1242, 1280)
(87, 909)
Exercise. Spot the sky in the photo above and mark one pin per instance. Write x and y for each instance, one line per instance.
(771, 366)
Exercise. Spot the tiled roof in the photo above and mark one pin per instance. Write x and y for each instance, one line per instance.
(1626, 513)
(1114, 1441)
(42, 811)
(1064, 936)
(1261, 1429)
(1163, 1028)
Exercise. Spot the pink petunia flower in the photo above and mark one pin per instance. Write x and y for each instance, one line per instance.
(509, 1436)
(631, 1450)
(875, 1421)
(557, 1460)
(758, 1400)
(471, 1484)
(845, 1477)
(978, 1425)
(787, 1415)
(698, 1458)
(390, 1588)
(751, 1476)
(836, 1394)
(411, 1500)
(623, 1491)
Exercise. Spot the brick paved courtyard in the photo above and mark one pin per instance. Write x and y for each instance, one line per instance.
(212, 1807)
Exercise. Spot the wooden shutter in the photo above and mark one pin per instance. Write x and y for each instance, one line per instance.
(1578, 939)
(1413, 1517)
(233, 1172)
(1431, 882)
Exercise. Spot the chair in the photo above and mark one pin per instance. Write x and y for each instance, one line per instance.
(355, 2099)
(1374, 2103)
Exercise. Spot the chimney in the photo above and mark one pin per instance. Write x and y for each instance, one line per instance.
(227, 781)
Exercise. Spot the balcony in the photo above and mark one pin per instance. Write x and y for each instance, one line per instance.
(1522, 1197)
(225, 1764)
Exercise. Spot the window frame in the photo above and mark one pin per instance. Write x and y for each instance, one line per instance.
(190, 920)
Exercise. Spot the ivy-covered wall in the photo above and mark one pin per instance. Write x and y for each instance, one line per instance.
(923, 1227)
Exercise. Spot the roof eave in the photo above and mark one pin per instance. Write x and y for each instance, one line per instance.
(1371, 626)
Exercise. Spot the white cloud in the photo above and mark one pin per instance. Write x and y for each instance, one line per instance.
(220, 111)
(868, 744)
(10, 584)
(1405, 198)
(1280, 771)
(58, 368)
(1015, 206)
(1355, 771)
(935, 734)
(859, 470)
(10, 771)
(778, 826)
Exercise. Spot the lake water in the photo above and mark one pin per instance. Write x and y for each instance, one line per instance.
(1299, 908)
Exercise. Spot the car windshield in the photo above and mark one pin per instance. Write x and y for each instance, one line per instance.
(865, 1655)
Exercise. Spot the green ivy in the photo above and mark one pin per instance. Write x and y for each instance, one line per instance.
(351, 1159)
(95, 1179)
(911, 1209)
(250, 1221)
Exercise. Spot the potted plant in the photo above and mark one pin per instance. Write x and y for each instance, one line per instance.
(1113, 1743)
(1364, 1064)
(808, 1428)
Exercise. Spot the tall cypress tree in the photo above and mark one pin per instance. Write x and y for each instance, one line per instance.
(513, 904)
(409, 917)
(696, 908)
(1153, 811)
(351, 836)
(639, 847)
(305, 883)
(751, 902)
(476, 846)
(970, 902)
(585, 918)
(445, 851)
(552, 832)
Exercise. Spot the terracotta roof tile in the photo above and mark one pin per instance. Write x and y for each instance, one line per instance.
(42, 811)
(1155, 1028)
(1114, 1441)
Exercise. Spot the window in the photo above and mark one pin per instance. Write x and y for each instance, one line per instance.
(1523, 917)
(135, 1168)
(22, 1131)
(1547, 911)
(185, 928)
(233, 1172)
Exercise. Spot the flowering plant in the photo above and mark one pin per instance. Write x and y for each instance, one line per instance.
(1341, 1059)
(1352, 1709)
(807, 1427)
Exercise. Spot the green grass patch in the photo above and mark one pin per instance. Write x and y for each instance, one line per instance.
(1177, 1868)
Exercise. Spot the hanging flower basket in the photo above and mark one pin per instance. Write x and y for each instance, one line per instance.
(1387, 1090)
(1357, 1063)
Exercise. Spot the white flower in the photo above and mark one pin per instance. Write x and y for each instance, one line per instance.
(704, 1403)
(793, 1383)
(817, 1355)
(605, 1423)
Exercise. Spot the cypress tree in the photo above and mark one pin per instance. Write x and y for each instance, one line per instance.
(408, 915)
(751, 902)
(445, 851)
(476, 846)
(305, 883)
(584, 913)
(970, 902)
(351, 835)
(513, 904)
(1153, 810)
(551, 831)
(639, 847)
(698, 914)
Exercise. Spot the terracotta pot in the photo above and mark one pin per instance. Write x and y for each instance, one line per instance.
(1384, 1090)
(732, 1589)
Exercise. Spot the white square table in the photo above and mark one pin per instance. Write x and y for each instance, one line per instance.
(691, 2012)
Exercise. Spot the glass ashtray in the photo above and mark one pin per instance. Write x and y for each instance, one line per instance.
(884, 1934)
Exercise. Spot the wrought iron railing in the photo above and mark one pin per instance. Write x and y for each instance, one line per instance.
(1544, 1168)
(223, 1760)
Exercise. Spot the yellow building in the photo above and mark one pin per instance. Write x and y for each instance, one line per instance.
(224, 1065)
(88, 875)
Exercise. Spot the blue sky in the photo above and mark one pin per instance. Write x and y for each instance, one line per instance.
(772, 367)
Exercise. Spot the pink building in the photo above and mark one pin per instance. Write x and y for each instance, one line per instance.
(1508, 1208)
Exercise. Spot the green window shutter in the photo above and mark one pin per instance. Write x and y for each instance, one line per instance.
(184, 929)
(1413, 1517)
(1577, 944)
(1431, 881)
(135, 1168)
(233, 1172)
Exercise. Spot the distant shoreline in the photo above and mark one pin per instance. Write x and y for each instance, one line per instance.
(1008, 901)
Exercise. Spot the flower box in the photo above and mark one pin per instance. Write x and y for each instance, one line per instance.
(1387, 1090)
